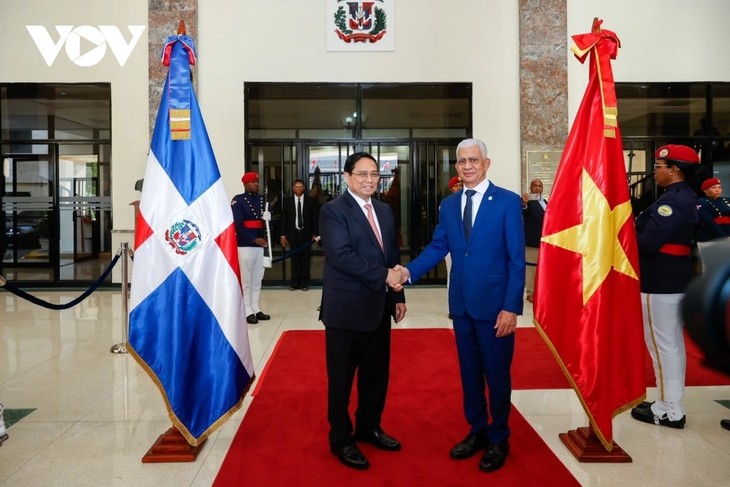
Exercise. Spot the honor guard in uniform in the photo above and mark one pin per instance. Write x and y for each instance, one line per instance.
(248, 217)
(714, 216)
(714, 212)
(664, 233)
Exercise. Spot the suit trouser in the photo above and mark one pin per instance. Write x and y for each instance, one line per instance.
(664, 338)
(251, 262)
(368, 353)
(531, 255)
(485, 360)
(300, 260)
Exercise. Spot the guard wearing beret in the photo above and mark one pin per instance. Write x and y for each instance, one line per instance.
(664, 233)
(455, 184)
(714, 212)
(248, 218)
(714, 216)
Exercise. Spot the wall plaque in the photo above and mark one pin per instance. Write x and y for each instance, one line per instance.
(542, 165)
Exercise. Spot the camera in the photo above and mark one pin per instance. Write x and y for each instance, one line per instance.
(706, 307)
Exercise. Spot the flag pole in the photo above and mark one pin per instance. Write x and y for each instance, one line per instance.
(592, 165)
(172, 446)
(585, 446)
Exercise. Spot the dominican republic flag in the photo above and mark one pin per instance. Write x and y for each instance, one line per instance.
(587, 295)
(187, 326)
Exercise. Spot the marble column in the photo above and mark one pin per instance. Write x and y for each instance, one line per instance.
(543, 77)
(163, 18)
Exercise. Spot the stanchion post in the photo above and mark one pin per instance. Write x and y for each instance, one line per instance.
(121, 348)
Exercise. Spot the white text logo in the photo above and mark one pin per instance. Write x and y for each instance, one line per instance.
(97, 38)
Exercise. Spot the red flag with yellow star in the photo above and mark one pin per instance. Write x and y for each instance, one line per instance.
(587, 295)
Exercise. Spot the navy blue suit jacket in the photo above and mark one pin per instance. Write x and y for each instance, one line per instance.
(355, 267)
(533, 215)
(488, 272)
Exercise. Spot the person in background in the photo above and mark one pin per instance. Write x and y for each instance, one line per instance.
(533, 215)
(455, 185)
(714, 210)
(248, 219)
(300, 223)
(482, 229)
(360, 251)
(664, 233)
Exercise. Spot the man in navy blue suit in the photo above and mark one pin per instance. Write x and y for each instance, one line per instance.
(360, 250)
(533, 214)
(481, 226)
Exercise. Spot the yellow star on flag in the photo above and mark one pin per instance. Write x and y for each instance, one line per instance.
(596, 238)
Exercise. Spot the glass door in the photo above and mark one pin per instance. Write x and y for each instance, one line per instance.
(84, 209)
(56, 205)
(28, 244)
(432, 170)
(277, 166)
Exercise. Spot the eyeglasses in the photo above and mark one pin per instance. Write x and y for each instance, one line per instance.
(363, 176)
(657, 166)
(471, 160)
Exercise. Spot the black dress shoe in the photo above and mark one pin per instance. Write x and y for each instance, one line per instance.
(379, 438)
(262, 316)
(494, 457)
(251, 319)
(646, 415)
(469, 446)
(351, 456)
(725, 424)
(305, 288)
(645, 404)
(293, 288)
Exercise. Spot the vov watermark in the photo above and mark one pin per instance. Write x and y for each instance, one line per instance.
(99, 38)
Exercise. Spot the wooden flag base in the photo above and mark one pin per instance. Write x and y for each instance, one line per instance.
(170, 447)
(585, 446)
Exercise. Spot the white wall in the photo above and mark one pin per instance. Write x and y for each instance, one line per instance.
(21, 61)
(285, 40)
(661, 41)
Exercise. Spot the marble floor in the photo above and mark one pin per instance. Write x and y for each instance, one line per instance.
(96, 413)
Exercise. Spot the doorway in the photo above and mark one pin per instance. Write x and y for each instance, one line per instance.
(57, 212)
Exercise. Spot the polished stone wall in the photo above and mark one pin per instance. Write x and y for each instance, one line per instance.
(543, 77)
(164, 17)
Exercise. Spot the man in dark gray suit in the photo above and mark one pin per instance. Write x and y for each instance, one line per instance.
(360, 250)
(533, 214)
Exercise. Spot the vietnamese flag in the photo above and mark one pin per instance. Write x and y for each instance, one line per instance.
(587, 299)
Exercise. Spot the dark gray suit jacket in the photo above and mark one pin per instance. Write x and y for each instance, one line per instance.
(354, 292)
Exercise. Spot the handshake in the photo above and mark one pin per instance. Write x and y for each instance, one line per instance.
(397, 276)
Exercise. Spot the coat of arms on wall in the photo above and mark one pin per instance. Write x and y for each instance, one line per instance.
(360, 26)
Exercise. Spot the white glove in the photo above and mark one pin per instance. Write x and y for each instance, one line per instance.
(266, 216)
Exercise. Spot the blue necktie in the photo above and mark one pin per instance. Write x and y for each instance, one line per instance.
(467, 214)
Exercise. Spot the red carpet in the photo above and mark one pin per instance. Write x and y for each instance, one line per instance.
(283, 437)
(534, 366)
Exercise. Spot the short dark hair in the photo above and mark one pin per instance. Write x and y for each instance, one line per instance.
(354, 157)
(298, 181)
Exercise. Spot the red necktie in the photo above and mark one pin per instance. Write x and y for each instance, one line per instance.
(371, 219)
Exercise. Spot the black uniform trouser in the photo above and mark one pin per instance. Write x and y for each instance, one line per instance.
(300, 260)
(368, 353)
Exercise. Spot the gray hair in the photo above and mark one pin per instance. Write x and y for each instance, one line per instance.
(470, 142)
